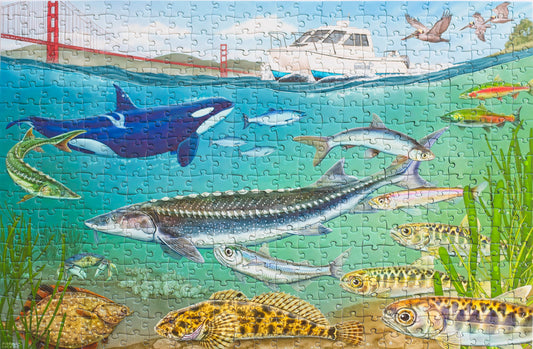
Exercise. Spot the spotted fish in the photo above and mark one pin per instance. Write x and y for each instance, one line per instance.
(395, 281)
(455, 321)
(229, 315)
(429, 237)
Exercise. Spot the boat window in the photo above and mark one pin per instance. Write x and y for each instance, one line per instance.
(353, 40)
(335, 37)
(364, 40)
(302, 38)
(317, 36)
(356, 40)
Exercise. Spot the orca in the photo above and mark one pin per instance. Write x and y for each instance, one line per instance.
(133, 132)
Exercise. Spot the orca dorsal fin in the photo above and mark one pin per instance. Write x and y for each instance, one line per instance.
(123, 100)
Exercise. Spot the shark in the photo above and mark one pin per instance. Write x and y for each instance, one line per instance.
(134, 132)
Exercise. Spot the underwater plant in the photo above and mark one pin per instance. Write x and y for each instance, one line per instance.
(510, 216)
(19, 276)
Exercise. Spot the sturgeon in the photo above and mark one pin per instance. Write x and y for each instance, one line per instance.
(183, 224)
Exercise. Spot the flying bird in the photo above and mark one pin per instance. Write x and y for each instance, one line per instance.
(433, 34)
(501, 14)
(479, 24)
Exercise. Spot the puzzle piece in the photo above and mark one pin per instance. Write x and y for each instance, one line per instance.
(238, 174)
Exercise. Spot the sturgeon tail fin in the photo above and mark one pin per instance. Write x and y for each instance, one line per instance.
(321, 145)
(350, 332)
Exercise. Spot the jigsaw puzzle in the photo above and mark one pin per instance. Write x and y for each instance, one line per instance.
(266, 174)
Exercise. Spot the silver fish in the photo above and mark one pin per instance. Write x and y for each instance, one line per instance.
(275, 118)
(249, 217)
(261, 266)
(228, 142)
(377, 138)
(258, 152)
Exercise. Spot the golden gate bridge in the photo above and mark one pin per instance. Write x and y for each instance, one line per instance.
(59, 24)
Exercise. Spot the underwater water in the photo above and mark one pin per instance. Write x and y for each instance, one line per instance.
(412, 105)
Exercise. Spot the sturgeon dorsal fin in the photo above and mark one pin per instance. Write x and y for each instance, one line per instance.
(427, 262)
(292, 304)
(123, 100)
(334, 176)
(228, 294)
(517, 296)
(28, 135)
(377, 122)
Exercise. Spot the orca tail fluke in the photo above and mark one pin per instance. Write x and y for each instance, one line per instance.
(26, 121)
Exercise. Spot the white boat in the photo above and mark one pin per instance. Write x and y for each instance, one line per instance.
(335, 50)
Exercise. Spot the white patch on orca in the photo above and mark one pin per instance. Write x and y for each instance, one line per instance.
(202, 112)
(117, 123)
(207, 124)
(92, 146)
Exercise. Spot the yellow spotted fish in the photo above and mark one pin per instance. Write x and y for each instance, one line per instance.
(428, 237)
(455, 321)
(229, 315)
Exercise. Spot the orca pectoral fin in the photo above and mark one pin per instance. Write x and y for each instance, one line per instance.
(187, 150)
(183, 247)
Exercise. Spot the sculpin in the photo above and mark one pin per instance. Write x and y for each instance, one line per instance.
(429, 237)
(377, 138)
(396, 281)
(32, 180)
(456, 321)
(229, 315)
(260, 265)
(247, 217)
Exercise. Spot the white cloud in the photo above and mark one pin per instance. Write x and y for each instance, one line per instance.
(259, 26)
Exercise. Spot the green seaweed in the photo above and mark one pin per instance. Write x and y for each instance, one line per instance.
(19, 277)
(509, 216)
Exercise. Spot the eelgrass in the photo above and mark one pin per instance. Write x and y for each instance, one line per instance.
(20, 277)
(509, 214)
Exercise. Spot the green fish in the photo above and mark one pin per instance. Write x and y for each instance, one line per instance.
(480, 116)
(497, 89)
(32, 180)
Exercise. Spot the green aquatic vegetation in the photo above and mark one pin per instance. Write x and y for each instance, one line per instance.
(19, 276)
(509, 216)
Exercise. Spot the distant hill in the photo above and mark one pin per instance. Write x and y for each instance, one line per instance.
(239, 64)
(520, 39)
(81, 58)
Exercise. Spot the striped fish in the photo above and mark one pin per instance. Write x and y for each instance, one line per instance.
(408, 199)
(455, 321)
(396, 281)
(32, 180)
(229, 315)
(497, 89)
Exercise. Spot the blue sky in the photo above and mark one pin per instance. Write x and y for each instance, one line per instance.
(155, 28)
